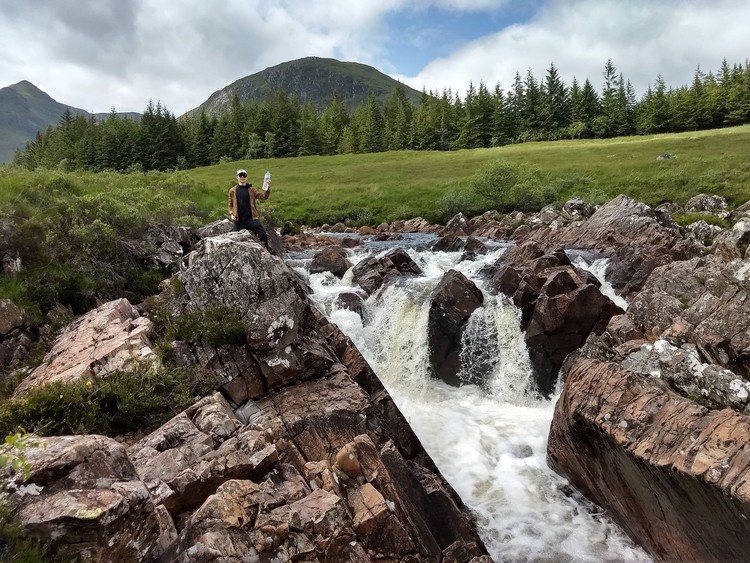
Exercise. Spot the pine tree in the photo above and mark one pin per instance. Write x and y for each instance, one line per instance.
(311, 137)
(425, 127)
(607, 123)
(397, 114)
(371, 130)
(591, 104)
(701, 114)
(334, 120)
(285, 114)
(500, 133)
(556, 100)
(535, 117)
(478, 117)
(515, 103)
(221, 139)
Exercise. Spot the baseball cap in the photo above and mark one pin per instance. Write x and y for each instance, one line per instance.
(241, 171)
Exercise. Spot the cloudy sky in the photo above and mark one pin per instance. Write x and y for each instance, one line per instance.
(100, 54)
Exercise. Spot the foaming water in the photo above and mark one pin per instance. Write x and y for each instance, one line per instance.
(598, 268)
(490, 441)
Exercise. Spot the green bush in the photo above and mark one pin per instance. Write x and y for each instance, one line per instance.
(69, 236)
(511, 187)
(144, 396)
(455, 202)
(685, 219)
(216, 325)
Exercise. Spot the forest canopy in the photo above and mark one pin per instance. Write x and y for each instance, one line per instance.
(529, 109)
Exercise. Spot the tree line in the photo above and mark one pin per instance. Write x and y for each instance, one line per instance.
(530, 109)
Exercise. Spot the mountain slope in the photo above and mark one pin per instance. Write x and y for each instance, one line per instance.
(24, 110)
(311, 79)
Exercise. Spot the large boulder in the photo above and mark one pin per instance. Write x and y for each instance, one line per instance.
(374, 272)
(333, 259)
(451, 305)
(702, 301)
(83, 493)
(635, 237)
(734, 243)
(560, 305)
(234, 273)
(654, 412)
(703, 203)
(102, 341)
(671, 472)
(11, 316)
(458, 225)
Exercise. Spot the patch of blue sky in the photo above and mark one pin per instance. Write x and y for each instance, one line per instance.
(418, 36)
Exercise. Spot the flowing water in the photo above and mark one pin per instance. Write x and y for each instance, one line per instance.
(489, 442)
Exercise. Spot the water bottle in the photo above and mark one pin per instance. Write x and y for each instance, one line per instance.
(266, 181)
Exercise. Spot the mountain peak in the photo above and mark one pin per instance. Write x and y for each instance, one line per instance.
(310, 79)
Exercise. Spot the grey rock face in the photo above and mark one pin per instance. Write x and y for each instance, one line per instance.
(96, 344)
(374, 272)
(316, 463)
(451, 304)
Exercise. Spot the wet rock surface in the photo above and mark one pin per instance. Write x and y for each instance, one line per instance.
(652, 422)
(302, 455)
(451, 304)
(560, 305)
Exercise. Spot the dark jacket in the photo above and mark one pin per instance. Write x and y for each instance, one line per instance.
(254, 194)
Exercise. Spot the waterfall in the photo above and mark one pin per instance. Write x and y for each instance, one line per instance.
(488, 442)
(598, 267)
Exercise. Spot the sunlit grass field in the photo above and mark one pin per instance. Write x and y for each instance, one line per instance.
(373, 188)
(397, 185)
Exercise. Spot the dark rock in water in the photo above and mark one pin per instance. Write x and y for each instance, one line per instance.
(560, 305)
(331, 259)
(350, 242)
(351, 301)
(475, 245)
(561, 322)
(452, 302)
(448, 243)
(373, 273)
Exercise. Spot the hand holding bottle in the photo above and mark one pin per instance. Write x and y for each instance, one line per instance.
(266, 181)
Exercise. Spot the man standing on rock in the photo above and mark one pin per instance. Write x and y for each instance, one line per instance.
(242, 209)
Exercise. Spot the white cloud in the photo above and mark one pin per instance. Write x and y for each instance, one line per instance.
(642, 38)
(95, 54)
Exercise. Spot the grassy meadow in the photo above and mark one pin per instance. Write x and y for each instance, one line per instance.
(371, 188)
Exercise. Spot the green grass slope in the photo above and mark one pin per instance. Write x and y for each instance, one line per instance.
(371, 188)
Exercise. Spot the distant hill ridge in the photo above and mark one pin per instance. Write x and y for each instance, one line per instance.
(25, 110)
(312, 79)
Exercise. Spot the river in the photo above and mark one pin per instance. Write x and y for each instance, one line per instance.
(488, 442)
